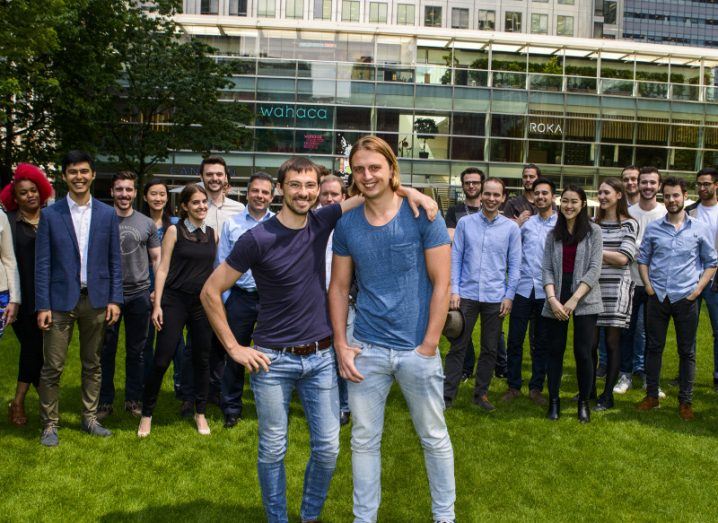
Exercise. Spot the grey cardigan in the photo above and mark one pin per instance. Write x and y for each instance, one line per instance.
(587, 269)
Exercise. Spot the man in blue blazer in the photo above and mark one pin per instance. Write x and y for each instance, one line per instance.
(78, 278)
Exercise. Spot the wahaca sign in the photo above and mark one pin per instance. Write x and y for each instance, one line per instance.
(300, 112)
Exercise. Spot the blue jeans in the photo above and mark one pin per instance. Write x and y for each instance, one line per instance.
(633, 339)
(421, 381)
(711, 298)
(136, 313)
(343, 393)
(315, 378)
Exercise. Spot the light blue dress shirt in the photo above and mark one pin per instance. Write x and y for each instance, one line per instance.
(234, 227)
(533, 242)
(482, 254)
(676, 258)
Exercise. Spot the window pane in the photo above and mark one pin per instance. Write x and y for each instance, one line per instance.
(616, 156)
(377, 12)
(578, 153)
(609, 12)
(322, 9)
(487, 20)
(265, 8)
(507, 151)
(512, 22)
(566, 2)
(539, 24)
(564, 25)
(354, 118)
(350, 11)
(238, 7)
(295, 8)
(470, 124)
(432, 16)
(209, 7)
(405, 14)
(459, 18)
(467, 148)
(544, 152)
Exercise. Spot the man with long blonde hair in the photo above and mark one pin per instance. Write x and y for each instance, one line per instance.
(402, 268)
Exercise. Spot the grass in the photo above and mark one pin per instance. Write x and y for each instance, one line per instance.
(511, 465)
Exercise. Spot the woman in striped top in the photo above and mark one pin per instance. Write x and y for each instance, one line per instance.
(619, 231)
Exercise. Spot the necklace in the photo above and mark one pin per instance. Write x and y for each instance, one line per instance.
(34, 221)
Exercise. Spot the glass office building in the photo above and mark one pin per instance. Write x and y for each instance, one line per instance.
(579, 108)
(688, 22)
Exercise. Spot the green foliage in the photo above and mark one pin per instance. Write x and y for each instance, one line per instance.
(124, 83)
(28, 85)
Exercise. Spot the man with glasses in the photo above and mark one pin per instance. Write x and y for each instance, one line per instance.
(471, 180)
(706, 210)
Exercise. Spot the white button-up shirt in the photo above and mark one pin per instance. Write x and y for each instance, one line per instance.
(218, 214)
(81, 217)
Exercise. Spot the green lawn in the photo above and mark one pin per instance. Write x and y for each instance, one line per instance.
(511, 464)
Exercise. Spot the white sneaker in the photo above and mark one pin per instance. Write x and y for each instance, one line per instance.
(661, 394)
(624, 384)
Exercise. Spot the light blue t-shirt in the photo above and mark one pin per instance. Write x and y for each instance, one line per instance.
(392, 308)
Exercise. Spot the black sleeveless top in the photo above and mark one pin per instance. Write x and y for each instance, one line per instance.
(192, 259)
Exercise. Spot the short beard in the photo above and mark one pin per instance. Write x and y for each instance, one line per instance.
(675, 212)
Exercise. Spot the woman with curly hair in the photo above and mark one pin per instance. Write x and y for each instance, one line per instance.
(23, 198)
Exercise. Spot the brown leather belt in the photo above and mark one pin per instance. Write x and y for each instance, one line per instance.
(309, 348)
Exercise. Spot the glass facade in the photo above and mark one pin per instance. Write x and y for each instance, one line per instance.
(445, 104)
(687, 22)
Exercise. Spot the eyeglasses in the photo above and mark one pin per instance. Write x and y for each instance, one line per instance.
(704, 184)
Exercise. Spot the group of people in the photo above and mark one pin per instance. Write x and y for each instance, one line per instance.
(621, 276)
(341, 293)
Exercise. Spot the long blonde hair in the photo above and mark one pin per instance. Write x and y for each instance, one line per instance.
(377, 145)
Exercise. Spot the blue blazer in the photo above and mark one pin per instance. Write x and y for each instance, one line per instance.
(57, 259)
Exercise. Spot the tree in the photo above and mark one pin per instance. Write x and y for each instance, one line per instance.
(115, 77)
(155, 92)
(425, 129)
(28, 87)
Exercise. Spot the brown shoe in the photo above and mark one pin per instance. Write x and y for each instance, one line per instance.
(484, 403)
(648, 403)
(511, 394)
(16, 414)
(536, 396)
(685, 411)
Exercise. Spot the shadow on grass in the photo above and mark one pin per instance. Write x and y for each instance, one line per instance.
(199, 510)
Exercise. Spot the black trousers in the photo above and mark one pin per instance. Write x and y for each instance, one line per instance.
(180, 309)
(490, 326)
(30, 337)
(685, 320)
(584, 329)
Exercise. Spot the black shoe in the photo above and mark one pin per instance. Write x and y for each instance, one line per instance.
(584, 414)
(344, 418)
(604, 403)
(230, 420)
(187, 409)
(601, 371)
(554, 409)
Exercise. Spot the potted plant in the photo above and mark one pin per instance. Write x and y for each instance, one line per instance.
(425, 129)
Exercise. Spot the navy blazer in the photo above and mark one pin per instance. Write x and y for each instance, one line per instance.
(57, 259)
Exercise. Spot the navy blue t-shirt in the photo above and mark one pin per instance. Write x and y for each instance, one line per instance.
(392, 308)
(289, 269)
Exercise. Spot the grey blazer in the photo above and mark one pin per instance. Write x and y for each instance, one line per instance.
(587, 269)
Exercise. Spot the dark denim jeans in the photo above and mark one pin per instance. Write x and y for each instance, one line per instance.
(490, 327)
(501, 357)
(136, 313)
(685, 320)
(711, 298)
(633, 339)
(242, 309)
(527, 310)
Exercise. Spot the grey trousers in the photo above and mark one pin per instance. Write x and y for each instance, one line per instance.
(56, 341)
(454, 364)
